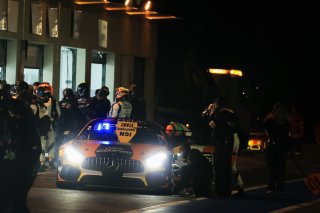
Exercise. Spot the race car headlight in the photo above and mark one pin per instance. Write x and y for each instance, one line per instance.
(73, 156)
(156, 161)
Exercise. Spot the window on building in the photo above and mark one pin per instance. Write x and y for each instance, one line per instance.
(53, 22)
(68, 68)
(3, 55)
(37, 18)
(3, 15)
(98, 71)
(33, 64)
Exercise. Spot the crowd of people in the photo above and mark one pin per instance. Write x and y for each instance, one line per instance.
(285, 128)
(33, 125)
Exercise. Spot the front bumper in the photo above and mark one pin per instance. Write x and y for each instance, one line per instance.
(144, 179)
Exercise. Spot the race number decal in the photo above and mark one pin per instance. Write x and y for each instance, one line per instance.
(126, 130)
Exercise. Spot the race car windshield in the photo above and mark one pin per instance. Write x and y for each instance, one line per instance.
(103, 131)
(144, 136)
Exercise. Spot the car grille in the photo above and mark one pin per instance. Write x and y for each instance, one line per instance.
(126, 165)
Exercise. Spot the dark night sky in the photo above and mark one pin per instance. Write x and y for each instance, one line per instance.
(275, 44)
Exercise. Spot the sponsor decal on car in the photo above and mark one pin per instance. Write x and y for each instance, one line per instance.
(126, 130)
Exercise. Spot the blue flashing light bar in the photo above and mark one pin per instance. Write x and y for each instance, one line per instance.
(101, 126)
(106, 142)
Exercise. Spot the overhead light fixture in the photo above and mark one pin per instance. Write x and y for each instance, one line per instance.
(236, 72)
(146, 10)
(91, 2)
(115, 8)
(218, 71)
(147, 6)
(141, 12)
(127, 2)
(127, 6)
(226, 72)
(159, 17)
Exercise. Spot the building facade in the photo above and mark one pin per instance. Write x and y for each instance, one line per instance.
(66, 43)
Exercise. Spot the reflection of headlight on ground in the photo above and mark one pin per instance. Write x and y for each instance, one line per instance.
(156, 161)
(73, 156)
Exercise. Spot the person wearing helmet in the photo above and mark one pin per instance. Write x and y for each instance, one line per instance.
(43, 93)
(121, 108)
(177, 134)
(83, 98)
(69, 122)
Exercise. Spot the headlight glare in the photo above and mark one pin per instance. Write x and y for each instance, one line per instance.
(156, 161)
(73, 156)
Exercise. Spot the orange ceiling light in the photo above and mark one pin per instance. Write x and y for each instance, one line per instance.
(146, 10)
(127, 2)
(91, 2)
(226, 72)
(127, 6)
(141, 12)
(218, 71)
(236, 72)
(160, 17)
(147, 6)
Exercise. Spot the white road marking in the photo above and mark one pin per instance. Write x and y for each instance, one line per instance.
(265, 186)
(165, 205)
(295, 207)
(203, 198)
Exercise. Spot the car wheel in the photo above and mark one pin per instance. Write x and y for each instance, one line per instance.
(169, 189)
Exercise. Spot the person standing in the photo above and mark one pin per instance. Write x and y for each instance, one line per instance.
(22, 157)
(83, 98)
(99, 105)
(223, 123)
(137, 102)
(69, 122)
(122, 108)
(277, 128)
(237, 179)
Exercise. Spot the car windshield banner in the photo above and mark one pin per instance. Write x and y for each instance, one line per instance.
(126, 130)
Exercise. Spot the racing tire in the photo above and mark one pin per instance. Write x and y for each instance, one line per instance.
(169, 189)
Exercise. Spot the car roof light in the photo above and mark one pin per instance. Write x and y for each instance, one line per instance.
(101, 126)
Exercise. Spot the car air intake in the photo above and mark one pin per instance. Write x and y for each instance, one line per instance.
(126, 165)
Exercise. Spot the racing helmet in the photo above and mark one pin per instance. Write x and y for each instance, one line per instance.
(43, 93)
(121, 92)
(83, 89)
(21, 86)
(178, 129)
(47, 87)
(170, 130)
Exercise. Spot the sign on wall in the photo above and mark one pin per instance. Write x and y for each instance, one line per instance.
(103, 33)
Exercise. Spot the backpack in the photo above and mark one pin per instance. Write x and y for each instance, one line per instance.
(43, 124)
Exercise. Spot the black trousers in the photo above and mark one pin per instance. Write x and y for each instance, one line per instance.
(27, 167)
(276, 162)
(223, 168)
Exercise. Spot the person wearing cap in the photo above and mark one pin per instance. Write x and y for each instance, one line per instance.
(122, 108)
